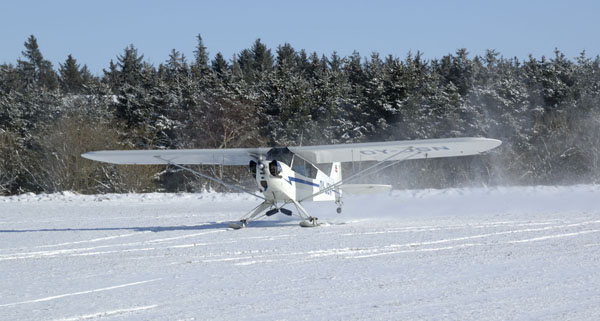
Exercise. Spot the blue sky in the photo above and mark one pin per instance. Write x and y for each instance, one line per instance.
(97, 31)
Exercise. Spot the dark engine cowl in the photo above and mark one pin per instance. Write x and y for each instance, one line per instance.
(275, 168)
(252, 168)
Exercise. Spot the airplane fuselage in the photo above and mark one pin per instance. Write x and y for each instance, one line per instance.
(279, 182)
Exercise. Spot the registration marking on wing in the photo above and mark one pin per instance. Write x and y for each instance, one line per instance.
(407, 150)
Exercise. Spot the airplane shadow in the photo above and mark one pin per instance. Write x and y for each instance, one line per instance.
(205, 226)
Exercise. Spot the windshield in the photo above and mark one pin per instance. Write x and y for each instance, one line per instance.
(281, 154)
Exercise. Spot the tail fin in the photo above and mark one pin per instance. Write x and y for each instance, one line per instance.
(336, 172)
(336, 175)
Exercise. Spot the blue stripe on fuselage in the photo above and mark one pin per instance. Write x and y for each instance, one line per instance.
(301, 181)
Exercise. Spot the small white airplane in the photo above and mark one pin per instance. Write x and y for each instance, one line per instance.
(290, 175)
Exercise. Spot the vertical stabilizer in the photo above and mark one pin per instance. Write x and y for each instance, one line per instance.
(336, 176)
(336, 172)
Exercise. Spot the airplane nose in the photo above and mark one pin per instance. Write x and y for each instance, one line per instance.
(275, 168)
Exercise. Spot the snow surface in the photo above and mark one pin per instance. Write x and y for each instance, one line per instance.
(526, 253)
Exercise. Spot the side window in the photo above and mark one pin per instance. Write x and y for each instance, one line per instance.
(299, 165)
(312, 171)
(303, 167)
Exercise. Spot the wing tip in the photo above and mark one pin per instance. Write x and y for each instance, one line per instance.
(495, 142)
(95, 156)
(88, 155)
(490, 143)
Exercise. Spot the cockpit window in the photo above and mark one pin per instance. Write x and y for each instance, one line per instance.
(298, 164)
(304, 168)
(282, 154)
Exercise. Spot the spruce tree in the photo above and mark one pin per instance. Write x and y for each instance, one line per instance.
(201, 54)
(135, 80)
(130, 64)
(87, 77)
(244, 67)
(286, 57)
(176, 66)
(70, 76)
(112, 77)
(219, 65)
(35, 69)
(262, 59)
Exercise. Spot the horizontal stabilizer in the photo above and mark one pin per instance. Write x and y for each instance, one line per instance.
(365, 188)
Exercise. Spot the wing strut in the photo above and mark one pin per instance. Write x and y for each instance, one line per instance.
(361, 173)
(237, 188)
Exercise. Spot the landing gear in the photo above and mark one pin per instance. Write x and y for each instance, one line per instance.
(272, 212)
(251, 216)
(285, 211)
(309, 222)
(257, 213)
(238, 225)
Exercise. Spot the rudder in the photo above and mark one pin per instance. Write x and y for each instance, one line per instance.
(336, 172)
(336, 176)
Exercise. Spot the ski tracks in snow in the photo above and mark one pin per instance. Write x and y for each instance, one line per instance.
(508, 233)
(138, 246)
(110, 313)
(55, 297)
(97, 315)
(486, 239)
(502, 233)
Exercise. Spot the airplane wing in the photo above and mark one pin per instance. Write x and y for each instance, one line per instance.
(426, 148)
(228, 156)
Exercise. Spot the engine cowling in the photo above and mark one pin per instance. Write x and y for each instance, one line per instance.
(275, 168)
(252, 168)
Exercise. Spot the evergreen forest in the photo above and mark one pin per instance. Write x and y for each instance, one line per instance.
(546, 110)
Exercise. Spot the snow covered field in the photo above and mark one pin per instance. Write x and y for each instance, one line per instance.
(527, 253)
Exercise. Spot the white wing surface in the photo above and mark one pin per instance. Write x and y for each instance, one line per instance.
(229, 156)
(395, 150)
(426, 148)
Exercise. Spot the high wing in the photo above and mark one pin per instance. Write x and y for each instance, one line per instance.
(395, 150)
(228, 156)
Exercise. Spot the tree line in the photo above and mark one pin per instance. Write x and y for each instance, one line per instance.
(546, 111)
